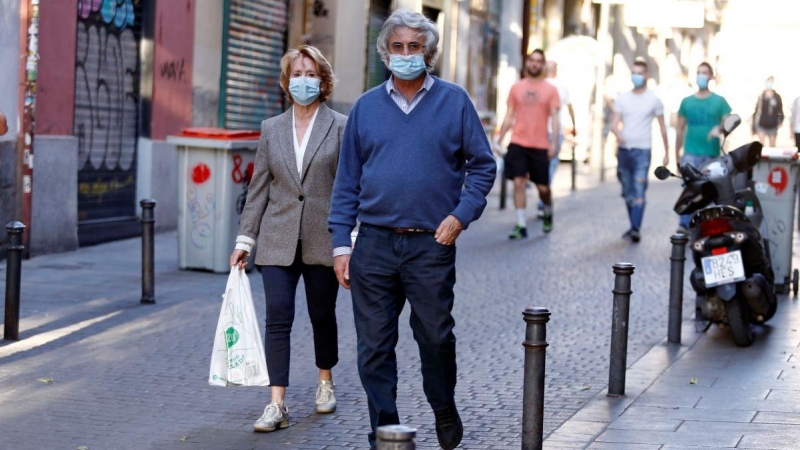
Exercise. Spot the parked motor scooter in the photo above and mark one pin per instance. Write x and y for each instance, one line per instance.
(733, 276)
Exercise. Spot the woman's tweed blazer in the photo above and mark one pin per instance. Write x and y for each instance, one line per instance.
(284, 206)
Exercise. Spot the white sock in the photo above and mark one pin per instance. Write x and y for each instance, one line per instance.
(548, 209)
(521, 217)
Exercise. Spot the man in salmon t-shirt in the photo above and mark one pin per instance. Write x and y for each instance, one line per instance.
(531, 103)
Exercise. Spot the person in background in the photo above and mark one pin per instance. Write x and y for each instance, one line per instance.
(286, 214)
(794, 130)
(768, 116)
(635, 110)
(532, 104)
(551, 72)
(698, 127)
(415, 169)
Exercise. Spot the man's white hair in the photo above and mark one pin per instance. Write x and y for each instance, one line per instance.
(415, 21)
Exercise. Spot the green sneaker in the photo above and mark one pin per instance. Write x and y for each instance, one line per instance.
(518, 233)
(547, 223)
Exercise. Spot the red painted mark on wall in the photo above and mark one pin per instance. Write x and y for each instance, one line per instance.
(236, 173)
(201, 173)
(779, 179)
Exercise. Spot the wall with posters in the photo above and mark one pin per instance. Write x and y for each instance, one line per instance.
(9, 81)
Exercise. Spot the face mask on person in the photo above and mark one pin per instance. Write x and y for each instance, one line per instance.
(638, 80)
(407, 67)
(768, 85)
(304, 90)
(702, 81)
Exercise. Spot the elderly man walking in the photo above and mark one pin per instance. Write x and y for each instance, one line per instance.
(415, 168)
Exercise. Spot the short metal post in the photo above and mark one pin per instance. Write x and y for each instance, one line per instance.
(13, 279)
(148, 251)
(535, 345)
(678, 258)
(395, 437)
(574, 163)
(619, 329)
(503, 191)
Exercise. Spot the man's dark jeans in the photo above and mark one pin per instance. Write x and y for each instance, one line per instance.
(387, 268)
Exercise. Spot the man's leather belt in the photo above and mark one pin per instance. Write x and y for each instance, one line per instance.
(411, 230)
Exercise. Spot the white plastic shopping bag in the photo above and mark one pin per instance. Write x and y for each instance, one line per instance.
(238, 355)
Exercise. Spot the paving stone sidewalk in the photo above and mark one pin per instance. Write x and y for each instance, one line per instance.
(132, 376)
(705, 393)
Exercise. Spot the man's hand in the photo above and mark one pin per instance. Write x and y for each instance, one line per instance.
(448, 231)
(3, 124)
(238, 258)
(341, 266)
(714, 133)
(496, 148)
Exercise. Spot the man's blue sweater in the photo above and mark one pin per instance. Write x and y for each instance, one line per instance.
(411, 170)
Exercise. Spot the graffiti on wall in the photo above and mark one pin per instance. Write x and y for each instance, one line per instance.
(107, 106)
(173, 69)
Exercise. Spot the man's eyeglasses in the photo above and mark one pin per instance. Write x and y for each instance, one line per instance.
(413, 48)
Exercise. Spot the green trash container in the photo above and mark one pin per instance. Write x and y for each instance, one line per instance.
(776, 184)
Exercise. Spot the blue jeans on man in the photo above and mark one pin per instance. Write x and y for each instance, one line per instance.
(386, 268)
(695, 161)
(632, 167)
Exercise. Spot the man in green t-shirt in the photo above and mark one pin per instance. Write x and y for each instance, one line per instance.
(699, 119)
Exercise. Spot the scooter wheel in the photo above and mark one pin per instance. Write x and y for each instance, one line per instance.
(795, 281)
(738, 320)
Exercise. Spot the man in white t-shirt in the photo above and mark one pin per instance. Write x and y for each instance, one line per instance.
(795, 128)
(551, 71)
(636, 110)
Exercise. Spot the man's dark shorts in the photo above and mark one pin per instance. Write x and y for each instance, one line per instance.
(521, 161)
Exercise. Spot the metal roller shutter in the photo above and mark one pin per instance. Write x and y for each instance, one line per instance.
(107, 77)
(253, 45)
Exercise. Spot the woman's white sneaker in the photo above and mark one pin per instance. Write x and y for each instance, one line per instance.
(326, 399)
(274, 418)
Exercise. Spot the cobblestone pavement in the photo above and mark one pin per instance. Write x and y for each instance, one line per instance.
(131, 376)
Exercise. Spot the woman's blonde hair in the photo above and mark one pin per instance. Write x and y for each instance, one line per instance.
(324, 70)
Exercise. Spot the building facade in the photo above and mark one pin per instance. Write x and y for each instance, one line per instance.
(98, 85)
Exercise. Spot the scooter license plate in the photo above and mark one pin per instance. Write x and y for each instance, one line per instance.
(723, 269)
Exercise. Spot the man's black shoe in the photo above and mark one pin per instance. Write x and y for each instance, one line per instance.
(449, 429)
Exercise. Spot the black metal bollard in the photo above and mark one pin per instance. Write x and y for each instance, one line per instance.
(503, 192)
(13, 279)
(619, 329)
(148, 251)
(395, 437)
(678, 258)
(574, 168)
(535, 345)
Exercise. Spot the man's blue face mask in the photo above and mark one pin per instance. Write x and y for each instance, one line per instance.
(638, 80)
(304, 90)
(407, 67)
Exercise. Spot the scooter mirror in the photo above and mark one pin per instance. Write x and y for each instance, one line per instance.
(662, 173)
(730, 123)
